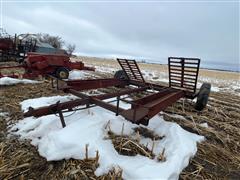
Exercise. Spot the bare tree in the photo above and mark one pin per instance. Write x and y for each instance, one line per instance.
(55, 41)
(71, 48)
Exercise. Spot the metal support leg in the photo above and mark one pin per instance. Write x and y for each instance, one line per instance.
(118, 99)
(87, 105)
(134, 113)
(61, 115)
(52, 83)
(57, 85)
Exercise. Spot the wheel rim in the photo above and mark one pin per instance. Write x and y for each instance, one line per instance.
(63, 75)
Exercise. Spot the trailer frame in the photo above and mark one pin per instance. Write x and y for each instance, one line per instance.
(142, 109)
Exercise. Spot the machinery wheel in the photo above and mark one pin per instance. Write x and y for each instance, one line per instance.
(202, 97)
(120, 74)
(62, 73)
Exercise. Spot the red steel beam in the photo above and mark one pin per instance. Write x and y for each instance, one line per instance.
(161, 104)
(105, 105)
(154, 96)
(148, 110)
(52, 109)
(94, 83)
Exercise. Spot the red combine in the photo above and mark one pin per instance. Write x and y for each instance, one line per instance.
(38, 64)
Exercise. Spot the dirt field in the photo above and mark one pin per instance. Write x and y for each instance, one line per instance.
(218, 157)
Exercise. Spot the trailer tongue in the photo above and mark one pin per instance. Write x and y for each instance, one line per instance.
(183, 73)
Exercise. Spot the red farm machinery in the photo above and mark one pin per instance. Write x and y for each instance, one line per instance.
(183, 75)
(39, 64)
(35, 58)
(16, 48)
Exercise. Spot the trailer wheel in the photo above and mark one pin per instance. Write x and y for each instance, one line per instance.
(120, 74)
(62, 73)
(202, 97)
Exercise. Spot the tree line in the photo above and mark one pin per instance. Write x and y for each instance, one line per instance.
(57, 42)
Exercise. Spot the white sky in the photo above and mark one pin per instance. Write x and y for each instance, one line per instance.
(151, 30)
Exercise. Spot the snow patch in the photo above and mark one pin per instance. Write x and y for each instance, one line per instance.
(3, 114)
(77, 74)
(215, 89)
(89, 127)
(44, 101)
(106, 69)
(10, 81)
(155, 76)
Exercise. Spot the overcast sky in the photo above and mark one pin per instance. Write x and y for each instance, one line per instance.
(151, 30)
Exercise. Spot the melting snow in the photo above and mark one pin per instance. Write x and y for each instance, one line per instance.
(215, 89)
(44, 101)
(106, 69)
(77, 74)
(3, 114)
(11, 81)
(89, 127)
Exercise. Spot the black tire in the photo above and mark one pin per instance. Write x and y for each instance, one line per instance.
(62, 73)
(120, 74)
(202, 97)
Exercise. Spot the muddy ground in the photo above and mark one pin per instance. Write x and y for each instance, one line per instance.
(218, 157)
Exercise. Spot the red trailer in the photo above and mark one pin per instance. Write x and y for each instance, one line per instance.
(183, 74)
